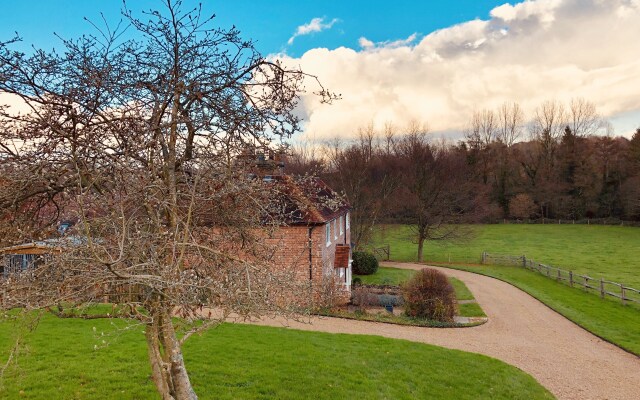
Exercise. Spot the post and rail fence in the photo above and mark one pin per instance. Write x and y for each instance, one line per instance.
(382, 253)
(601, 286)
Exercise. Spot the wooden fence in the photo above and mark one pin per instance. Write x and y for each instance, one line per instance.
(382, 253)
(601, 286)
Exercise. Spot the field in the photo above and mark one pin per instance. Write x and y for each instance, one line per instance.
(250, 362)
(612, 252)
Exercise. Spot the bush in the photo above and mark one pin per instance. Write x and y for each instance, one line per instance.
(364, 263)
(429, 295)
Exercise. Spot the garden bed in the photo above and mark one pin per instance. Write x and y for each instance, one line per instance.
(377, 292)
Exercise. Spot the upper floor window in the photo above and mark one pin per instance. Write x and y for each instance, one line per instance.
(348, 223)
(341, 227)
(328, 232)
(335, 230)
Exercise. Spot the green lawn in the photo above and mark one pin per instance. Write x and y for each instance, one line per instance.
(470, 310)
(251, 362)
(462, 293)
(387, 276)
(396, 276)
(612, 252)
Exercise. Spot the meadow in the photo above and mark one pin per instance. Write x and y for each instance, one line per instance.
(611, 252)
(71, 359)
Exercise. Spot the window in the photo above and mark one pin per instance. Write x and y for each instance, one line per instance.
(348, 220)
(328, 233)
(341, 222)
(335, 228)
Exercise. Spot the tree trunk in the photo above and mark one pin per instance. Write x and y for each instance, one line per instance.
(420, 247)
(167, 363)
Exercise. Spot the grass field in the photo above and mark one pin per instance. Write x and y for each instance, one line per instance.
(612, 252)
(251, 362)
(397, 276)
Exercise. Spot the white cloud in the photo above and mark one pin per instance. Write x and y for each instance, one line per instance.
(315, 25)
(368, 44)
(365, 43)
(527, 52)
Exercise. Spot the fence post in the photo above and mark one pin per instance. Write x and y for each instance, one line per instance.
(558, 278)
(601, 288)
(484, 257)
(571, 278)
(624, 302)
(524, 261)
(388, 252)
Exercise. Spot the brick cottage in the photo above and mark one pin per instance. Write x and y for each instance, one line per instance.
(315, 241)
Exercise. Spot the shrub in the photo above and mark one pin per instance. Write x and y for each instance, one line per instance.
(429, 295)
(364, 263)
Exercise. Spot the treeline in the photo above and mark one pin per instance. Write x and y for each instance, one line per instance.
(562, 162)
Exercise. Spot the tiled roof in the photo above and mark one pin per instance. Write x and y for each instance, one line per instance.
(309, 201)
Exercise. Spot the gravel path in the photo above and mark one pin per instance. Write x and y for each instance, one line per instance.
(566, 359)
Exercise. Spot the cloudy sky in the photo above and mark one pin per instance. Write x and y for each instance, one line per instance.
(402, 61)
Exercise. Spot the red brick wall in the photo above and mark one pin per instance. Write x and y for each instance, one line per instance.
(293, 254)
(291, 244)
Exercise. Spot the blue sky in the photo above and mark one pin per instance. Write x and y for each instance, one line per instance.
(431, 62)
(270, 23)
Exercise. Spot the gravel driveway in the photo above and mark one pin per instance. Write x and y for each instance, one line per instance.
(569, 361)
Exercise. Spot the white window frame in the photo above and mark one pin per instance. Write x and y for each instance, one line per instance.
(348, 224)
(341, 227)
(328, 233)
(335, 230)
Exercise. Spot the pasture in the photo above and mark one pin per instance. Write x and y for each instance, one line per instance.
(69, 359)
(612, 252)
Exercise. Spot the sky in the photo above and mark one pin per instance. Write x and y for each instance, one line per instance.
(432, 62)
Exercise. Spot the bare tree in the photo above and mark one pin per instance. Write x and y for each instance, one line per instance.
(137, 143)
(438, 193)
(483, 129)
(583, 120)
(510, 122)
(547, 127)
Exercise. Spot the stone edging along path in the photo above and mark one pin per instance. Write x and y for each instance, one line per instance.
(569, 361)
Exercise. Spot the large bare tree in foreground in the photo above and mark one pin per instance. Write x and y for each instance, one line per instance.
(136, 142)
